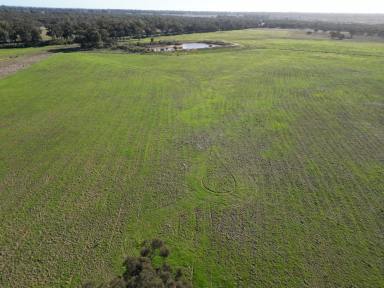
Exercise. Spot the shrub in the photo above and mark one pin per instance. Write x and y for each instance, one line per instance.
(164, 252)
(141, 272)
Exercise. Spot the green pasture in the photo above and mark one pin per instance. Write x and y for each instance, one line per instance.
(260, 165)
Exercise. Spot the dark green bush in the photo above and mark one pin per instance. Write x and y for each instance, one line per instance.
(141, 272)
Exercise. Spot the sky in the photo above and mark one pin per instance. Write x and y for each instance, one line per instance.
(333, 6)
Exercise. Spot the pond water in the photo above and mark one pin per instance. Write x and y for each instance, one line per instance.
(184, 46)
(192, 46)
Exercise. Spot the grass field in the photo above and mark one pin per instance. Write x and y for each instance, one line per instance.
(260, 165)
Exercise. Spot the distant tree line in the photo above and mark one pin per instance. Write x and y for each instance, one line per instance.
(101, 28)
(352, 28)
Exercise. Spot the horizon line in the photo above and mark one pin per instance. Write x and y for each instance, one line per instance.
(203, 11)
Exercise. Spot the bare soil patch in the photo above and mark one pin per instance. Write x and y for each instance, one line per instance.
(12, 65)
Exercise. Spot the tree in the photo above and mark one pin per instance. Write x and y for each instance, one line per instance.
(4, 31)
(4, 35)
(336, 35)
(94, 38)
(35, 35)
(55, 30)
(68, 30)
(105, 38)
(90, 38)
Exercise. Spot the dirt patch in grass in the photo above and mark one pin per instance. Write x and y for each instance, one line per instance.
(14, 64)
(199, 141)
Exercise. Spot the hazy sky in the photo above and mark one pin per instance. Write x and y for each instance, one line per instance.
(349, 6)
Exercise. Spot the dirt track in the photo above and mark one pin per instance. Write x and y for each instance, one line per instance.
(12, 65)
